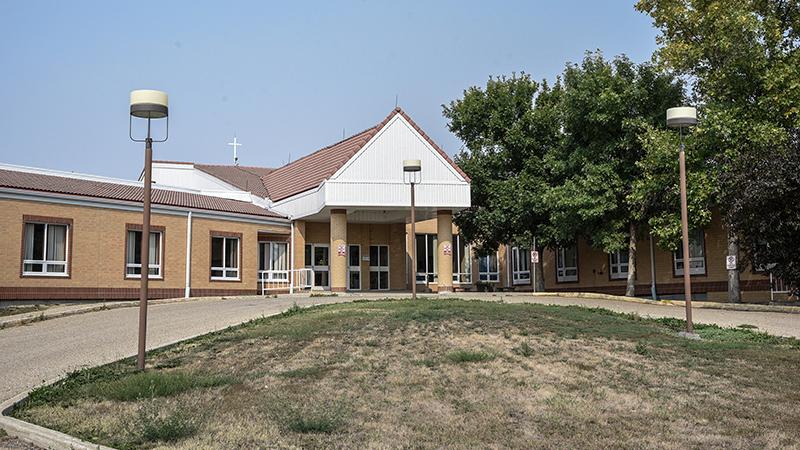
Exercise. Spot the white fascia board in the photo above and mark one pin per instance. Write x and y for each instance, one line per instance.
(303, 204)
(376, 195)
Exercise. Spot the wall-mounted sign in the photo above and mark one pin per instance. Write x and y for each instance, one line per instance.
(730, 262)
(447, 249)
(341, 250)
(535, 256)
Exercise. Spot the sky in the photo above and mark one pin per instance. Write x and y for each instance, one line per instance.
(287, 78)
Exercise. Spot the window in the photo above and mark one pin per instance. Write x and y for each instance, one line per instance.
(520, 265)
(489, 268)
(462, 261)
(354, 267)
(273, 261)
(427, 258)
(133, 254)
(567, 264)
(317, 259)
(379, 267)
(618, 265)
(45, 248)
(697, 255)
(225, 258)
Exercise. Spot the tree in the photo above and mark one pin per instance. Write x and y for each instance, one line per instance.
(607, 106)
(507, 128)
(743, 59)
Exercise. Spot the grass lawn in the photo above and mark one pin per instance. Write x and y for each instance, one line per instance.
(441, 373)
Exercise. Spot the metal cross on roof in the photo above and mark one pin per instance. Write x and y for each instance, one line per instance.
(235, 144)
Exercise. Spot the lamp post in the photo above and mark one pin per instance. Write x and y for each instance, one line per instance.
(683, 117)
(412, 172)
(146, 104)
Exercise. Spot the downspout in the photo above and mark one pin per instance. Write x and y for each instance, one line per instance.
(652, 270)
(291, 267)
(188, 290)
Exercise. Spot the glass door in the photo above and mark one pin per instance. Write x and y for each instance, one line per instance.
(317, 259)
(354, 267)
(379, 267)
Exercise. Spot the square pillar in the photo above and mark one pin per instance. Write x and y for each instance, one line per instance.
(444, 226)
(338, 258)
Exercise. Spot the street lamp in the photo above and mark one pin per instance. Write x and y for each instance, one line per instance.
(412, 174)
(684, 117)
(146, 104)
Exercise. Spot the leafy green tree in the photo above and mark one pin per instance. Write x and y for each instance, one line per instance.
(743, 60)
(507, 128)
(607, 108)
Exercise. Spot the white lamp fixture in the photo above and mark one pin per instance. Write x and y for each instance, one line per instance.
(149, 104)
(412, 165)
(683, 116)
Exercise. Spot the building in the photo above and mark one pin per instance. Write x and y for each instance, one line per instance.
(342, 212)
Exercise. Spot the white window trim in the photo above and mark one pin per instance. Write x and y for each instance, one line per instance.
(271, 274)
(45, 262)
(692, 259)
(457, 251)
(492, 276)
(134, 276)
(225, 269)
(620, 275)
(325, 268)
(561, 275)
(519, 254)
(351, 269)
(379, 268)
(432, 275)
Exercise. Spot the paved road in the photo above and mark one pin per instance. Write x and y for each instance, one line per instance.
(43, 351)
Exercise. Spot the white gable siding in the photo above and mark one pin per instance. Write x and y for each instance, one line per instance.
(382, 158)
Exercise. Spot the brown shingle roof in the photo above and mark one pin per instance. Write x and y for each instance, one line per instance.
(115, 191)
(243, 177)
(311, 170)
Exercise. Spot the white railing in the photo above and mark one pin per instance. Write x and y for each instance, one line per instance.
(285, 280)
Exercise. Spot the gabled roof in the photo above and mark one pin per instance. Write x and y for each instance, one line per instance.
(309, 171)
(125, 192)
(245, 178)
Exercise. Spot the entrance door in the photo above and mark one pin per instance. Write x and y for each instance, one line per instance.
(379, 267)
(354, 267)
(317, 259)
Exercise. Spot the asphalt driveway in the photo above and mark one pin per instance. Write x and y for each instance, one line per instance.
(46, 350)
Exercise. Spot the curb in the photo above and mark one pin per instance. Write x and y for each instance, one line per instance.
(56, 440)
(695, 305)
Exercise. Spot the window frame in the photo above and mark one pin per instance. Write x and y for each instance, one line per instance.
(310, 263)
(489, 276)
(620, 275)
(458, 275)
(269, 263)
(561, 256)
(518, 254)
(692, 271)
(353, 269)
(46, 220)
(378, 268)
(153, 229)
(431, 275)
(225, 236)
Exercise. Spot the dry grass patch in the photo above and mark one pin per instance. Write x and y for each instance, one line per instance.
(441, 373)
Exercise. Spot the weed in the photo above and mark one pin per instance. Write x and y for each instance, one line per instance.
(463, 356)
(747, 326)
(524, 349)
(308, 415)
(152, 424)
(641, 349)
(154, 384)
(305, 372)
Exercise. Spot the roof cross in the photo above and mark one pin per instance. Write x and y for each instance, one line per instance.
(235, 144)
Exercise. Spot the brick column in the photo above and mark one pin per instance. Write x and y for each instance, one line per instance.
(338, 260)
(444, 223)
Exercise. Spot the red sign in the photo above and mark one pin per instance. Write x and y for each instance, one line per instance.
(341, 250)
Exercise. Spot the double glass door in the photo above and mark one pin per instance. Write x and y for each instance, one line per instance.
(379, 267)
(318, 259)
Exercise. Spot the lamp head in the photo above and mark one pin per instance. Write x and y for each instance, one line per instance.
(149, 104)
(684, 116)
(412, 165)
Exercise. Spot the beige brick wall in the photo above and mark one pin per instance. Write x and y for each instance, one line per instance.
(97, 249)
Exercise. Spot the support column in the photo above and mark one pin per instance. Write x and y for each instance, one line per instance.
(338, 258)
(444, 224)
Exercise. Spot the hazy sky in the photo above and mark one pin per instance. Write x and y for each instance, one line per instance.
(285, 77)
